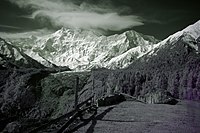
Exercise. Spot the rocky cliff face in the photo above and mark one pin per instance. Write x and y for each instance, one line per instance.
(84, 50)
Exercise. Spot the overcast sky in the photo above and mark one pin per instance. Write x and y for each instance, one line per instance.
(153, 17)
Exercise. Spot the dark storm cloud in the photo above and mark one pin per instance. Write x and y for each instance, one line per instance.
(84, 15)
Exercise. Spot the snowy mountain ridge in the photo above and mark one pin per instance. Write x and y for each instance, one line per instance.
(188, 35)
(84, 50)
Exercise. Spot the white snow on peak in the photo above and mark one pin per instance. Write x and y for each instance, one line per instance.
(192, 30)
(189, 34)
(83, 50)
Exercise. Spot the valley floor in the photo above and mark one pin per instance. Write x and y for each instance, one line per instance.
(135, 117)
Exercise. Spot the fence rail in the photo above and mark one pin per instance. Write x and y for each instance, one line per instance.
(68, 118)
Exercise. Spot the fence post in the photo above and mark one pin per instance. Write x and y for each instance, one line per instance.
(76, 92)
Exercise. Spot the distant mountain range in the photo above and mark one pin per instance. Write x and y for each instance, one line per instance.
(84, 50)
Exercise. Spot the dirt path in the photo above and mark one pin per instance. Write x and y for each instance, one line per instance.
(134, 117)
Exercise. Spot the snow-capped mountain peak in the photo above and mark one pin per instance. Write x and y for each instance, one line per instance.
(84, 49)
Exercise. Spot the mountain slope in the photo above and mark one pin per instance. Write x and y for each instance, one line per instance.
(82, 50)
(11, 56)
(189, 35)
(172, 69)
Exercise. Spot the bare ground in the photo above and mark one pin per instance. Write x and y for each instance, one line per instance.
(135, 117)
